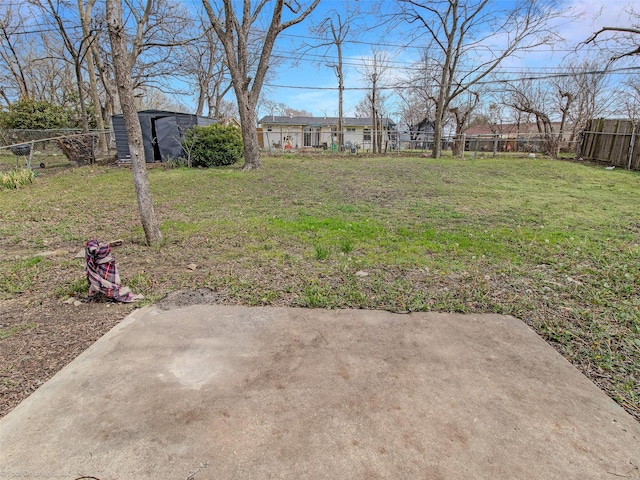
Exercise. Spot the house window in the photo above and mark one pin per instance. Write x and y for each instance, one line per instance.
(311, 137)
(351, 129)
(269, 129)
(367, 135)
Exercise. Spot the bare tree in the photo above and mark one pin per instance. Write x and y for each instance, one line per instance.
(363, 108)
(236, 36)
(471, 38)
(417, 92)
(281, 108)
(534, 98)
(75, 46)
(225, 110)
(51, 79)
(122, 68)
(153, 99)
(462, 116)
(333, 31)
(629, 98)
(543, 100)
(414, 112)
(158, 29)
(623, 42)
(582, 94)
(203, 64)
(86, 15)
(374, 72)
(10, 44)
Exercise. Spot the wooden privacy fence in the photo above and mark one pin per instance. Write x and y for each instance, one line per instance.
(615, 142)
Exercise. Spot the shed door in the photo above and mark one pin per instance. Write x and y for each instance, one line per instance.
(168, 138)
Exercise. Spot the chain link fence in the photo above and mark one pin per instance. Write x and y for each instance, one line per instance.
(39, 149)
(67, 147)
(414, 142)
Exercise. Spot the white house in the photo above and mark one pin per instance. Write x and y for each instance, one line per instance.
(322, 132)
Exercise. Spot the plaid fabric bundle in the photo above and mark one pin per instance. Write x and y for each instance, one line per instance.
(102, 273)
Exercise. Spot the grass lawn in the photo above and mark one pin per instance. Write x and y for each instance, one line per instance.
(553, 243)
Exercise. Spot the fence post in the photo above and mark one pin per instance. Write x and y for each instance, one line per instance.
(579, 139)
(30, 155)
(632, 143)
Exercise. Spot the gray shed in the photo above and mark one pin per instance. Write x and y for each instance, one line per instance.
(162, 134)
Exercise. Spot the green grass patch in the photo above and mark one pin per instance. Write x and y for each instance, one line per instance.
(554, 243)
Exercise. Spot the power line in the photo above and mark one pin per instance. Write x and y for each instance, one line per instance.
(415, 67)
(407, 65)
(483, 82)
(417, 47)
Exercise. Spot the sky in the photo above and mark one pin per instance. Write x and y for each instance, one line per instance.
(312, 85)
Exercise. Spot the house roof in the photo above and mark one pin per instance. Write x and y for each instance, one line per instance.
(319, 121)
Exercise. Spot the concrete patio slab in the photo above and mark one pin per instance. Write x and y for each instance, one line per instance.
(220, 392)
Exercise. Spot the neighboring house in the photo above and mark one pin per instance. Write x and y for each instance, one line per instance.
(512, 130)
(515, 137)
(321, 132)
(419, 135)
(162, 134)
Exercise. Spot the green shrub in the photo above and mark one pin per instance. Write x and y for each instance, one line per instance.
(36, 114)
(213, 145)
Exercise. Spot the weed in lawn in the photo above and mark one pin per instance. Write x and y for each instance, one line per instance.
(314, 295)
(12, 330)
(6, 382)
(321, 252)
(346, 245)
(140, 283)
(78, 286)
(17, 277)
(346, 208)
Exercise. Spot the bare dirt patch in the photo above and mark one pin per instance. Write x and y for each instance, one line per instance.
(185, 298)
(47, 337)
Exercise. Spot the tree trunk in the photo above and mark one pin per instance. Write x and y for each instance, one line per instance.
(122, 71)
(563, 121)
(340, 138)
(85, 20)
(250, 138)
(95, 98)
(444, 88)
(200, 106)
(235, 36)
(84, 120)
(374, 113)
(436, 152)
